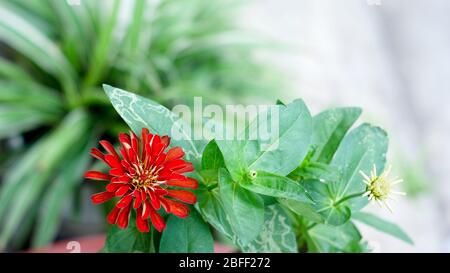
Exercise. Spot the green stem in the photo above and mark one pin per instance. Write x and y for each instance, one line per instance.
(348, 197)
(212, 186)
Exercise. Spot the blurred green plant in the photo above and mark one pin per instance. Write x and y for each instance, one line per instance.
(53, 59)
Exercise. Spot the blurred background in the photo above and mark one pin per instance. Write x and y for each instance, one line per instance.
(390, 57)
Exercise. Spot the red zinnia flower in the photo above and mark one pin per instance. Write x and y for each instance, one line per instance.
(145, 174)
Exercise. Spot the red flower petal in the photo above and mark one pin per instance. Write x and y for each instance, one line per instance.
(113, 162)
(160, 159)
(144, 135)
(138, 199)
(122, 190)
(124, 179)
(165, 204)
(101, 197)
(134, 143)
(96, 175)
(165, 140)
(113, 187)
(154, 200)
(141, 223)
(125, 201)
(167, 175)
(144, 140)
(177, 164)
(185, 196)
(174, 153)
(132, 156)
(124, 139)
(190, 183)
(177, 208)
(143, 195)
(124, 154)
(146, 209)
(157, 220)
(97, 154)
(109, 148)
(112, 216)
(123, 217)
(188, 167)
(116, 172)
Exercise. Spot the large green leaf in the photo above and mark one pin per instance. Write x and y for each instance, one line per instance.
(275, 153)
(245, 210)
(276, 236)
(362, 148)
(128, 240)
(324, 238)
(212, 209)
(139, 112)
(280, 155)
(330, 128)
(383, 226)
(274, 185)
(188, 235)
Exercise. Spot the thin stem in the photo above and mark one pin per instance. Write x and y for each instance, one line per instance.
(348, 197)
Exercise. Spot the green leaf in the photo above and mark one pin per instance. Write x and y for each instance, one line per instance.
(317, 171)
(362, 148)
(327, 239)
(139, 112)
(244, 209)
(280, 155)
(13, 72)
(59, 193)
(25, 183)
(24, 37)
(303, 209)
(276, 236)
(330, 128)
(275, 153)
(102, 51)
(277, 186)
(325, 203)
(15, 120)
(74, 28)
(188, 235)
(127, 240)
(212, 159)
(212, 209)
(382, 225)
(234, 157)
(31, 94)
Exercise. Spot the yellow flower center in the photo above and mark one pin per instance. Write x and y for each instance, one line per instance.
(143, 177)
(380, 188)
